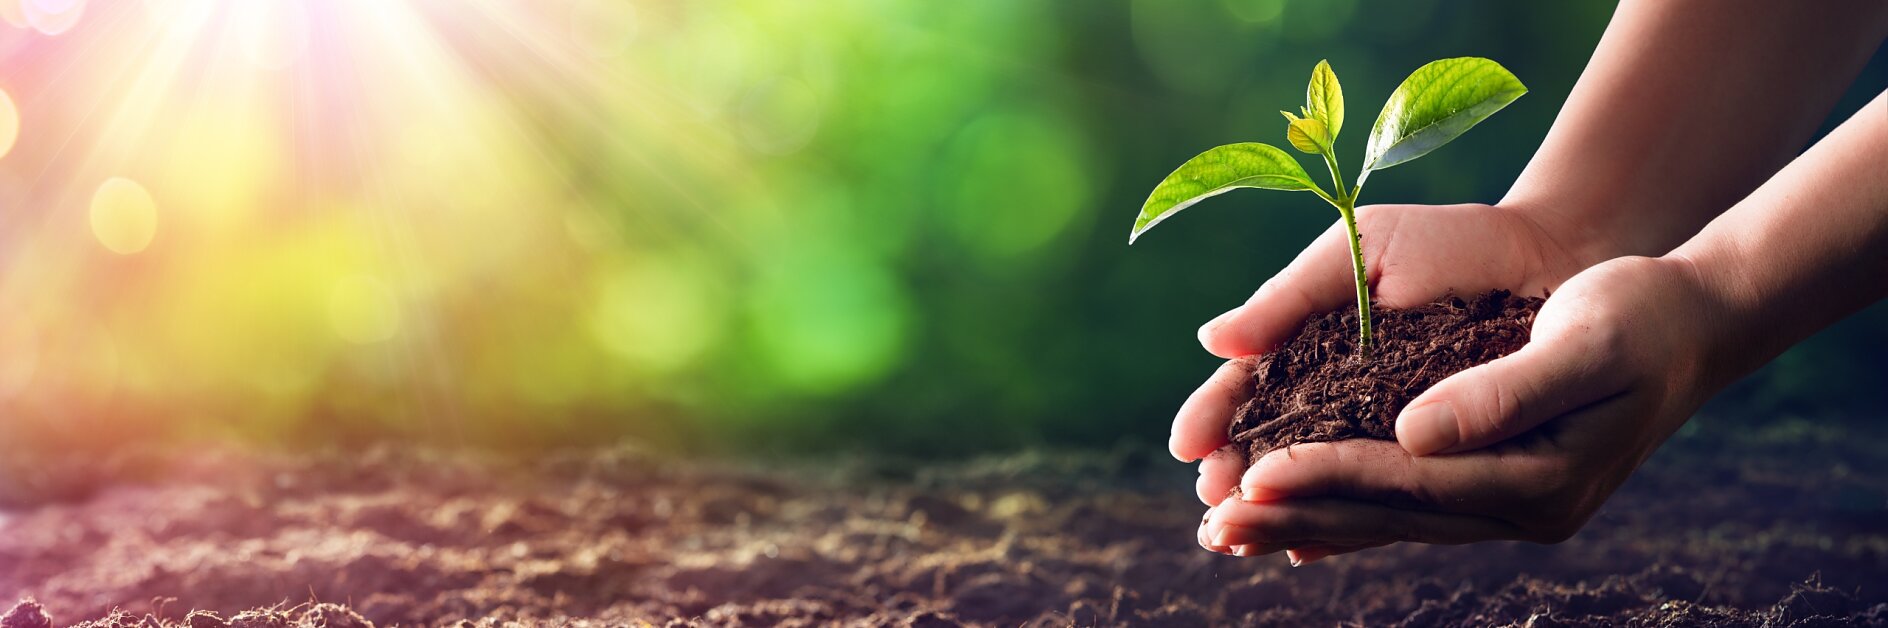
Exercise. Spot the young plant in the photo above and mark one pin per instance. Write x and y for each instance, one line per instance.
(1438, 102)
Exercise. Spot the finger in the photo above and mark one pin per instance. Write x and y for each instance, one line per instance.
(1310, 554)
(1256, 549)
(1302, 556)
(1219, 473)
(1558, 372)
(1319, 280)
(1200, 426)
(1382, 472)
(1206, 541)
(1344, 522)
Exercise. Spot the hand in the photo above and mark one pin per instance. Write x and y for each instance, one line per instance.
(1414, 254)
(1526, 447)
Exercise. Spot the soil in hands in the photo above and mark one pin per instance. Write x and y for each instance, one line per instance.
(1315, 388)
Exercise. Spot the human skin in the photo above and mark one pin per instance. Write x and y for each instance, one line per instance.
(1633, 166)
(1621, 357)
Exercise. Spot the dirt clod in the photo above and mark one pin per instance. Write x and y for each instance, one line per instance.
(27, 614)
(205, 619)
(332, 616)
(1316, 388)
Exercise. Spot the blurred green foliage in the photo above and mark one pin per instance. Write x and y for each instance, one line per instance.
(765, 225)
(943, 269)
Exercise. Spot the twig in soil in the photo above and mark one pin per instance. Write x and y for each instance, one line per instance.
(1270, 426)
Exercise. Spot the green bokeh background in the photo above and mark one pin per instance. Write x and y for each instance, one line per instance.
(962, 213)
(768, 226)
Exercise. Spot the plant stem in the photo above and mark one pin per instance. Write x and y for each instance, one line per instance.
(1347, 205)
(1349, 210)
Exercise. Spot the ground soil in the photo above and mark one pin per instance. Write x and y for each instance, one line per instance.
(1316, 388)
(1786, 526)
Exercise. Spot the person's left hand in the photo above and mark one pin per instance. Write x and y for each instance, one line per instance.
(1526, 447)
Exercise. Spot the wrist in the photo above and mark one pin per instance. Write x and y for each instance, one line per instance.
(1719, 309)
(1593, 224)
(1576, 243)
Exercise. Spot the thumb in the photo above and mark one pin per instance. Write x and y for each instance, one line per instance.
(1502, 399)
(1317, 281)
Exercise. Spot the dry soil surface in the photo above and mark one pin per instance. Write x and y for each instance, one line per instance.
(1784, 527)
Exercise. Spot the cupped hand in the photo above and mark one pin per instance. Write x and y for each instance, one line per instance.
(1526, 447)
(1414, 254)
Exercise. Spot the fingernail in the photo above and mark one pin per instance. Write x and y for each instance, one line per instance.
(1207, 543)
(1229, 536)
(1214, 324)
(1256, 494)
(1173, 448)
(1428, 429)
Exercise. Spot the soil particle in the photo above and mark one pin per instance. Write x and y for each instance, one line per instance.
(930, 619)
(27, 614)
(1317, 388)
(116, 619)
(332, 616)
(1812, 600)
(260, 618)
(205, 619)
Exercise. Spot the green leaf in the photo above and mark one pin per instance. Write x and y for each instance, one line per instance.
(1306, 134)
(1324, 98)
(1437, 103)
(1217, 171)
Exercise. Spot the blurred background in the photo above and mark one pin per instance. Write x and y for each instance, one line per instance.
(758, 226)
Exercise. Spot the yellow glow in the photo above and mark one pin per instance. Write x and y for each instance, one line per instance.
(660, 317)
(10, 12)
(605, 28)
(779, 116)
(124, 217)
(363, 311)
(19, 357)
(236, 156)
(9, 121)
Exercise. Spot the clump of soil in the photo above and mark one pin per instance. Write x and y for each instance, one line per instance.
(27, 614)
(1316, 388)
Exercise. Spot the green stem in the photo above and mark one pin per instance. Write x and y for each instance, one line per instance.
(1337, 177)
(1347, 205)
(1365, 336)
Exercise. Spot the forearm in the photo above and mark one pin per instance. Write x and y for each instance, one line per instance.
(1684, 108)
(1806, 249)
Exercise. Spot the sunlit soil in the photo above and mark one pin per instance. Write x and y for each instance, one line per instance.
(1711, 531)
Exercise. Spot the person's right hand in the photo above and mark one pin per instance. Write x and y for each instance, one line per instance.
(1414, 254)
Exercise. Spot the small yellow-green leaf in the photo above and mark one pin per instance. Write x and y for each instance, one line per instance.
(1436, 104)
(1217, 171)
(1308, 135)
(1324, 98)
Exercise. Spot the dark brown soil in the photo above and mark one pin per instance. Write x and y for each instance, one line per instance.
(1315, 388)
(1785, 526)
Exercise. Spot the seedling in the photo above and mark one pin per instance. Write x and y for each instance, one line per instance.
(1437, 103)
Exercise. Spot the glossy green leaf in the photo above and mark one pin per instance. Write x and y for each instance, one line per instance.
(1437, 103)
(1324, 99)
(1217, 171)
(1307, 134)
